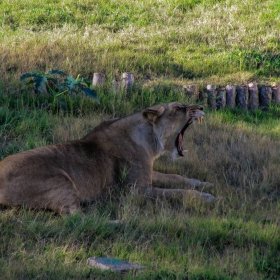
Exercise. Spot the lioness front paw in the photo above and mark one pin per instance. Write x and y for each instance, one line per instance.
(206, 185)
(195, 182)
(207, 197)
(198, 184)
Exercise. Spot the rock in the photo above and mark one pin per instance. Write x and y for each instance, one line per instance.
(106, 263)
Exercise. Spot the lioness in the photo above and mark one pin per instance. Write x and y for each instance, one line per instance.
(61, 176)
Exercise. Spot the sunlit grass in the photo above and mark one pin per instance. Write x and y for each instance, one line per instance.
(193, 40)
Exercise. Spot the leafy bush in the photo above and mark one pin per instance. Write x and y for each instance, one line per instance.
(49, 83)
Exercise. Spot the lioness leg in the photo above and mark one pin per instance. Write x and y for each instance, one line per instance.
(175, 179)
(61, 195)
(153, 192)
(57, 193)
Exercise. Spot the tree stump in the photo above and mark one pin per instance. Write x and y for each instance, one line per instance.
(211, 96)
(253, 96)
(192, 91)
(242, 97)
(276, 93)
(265, 97)
(127, 82)
(97, 79)
(221, 98)
(230, 96)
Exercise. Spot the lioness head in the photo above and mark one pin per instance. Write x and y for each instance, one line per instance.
(170, 122)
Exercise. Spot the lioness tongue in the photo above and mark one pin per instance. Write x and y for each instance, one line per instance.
(180, 141)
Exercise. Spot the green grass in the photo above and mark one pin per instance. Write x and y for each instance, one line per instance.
(166, 44)
(203, 41)
(237, 237)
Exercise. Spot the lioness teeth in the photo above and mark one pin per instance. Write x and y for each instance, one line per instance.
(199, 120)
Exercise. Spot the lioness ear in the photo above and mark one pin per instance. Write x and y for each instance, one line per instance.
(174, 106)
(153, 113)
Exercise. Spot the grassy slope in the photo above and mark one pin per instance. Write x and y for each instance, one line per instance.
(206, 41)
(200, 40)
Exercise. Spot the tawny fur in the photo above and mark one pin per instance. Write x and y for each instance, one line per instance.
(62, 176)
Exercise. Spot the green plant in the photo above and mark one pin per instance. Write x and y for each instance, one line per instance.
(50, 84)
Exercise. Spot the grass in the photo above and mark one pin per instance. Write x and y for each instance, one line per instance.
(166, 44)
(237, 237)
(198, 41)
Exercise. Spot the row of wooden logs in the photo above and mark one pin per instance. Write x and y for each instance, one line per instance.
(250, 96)
(126, 82)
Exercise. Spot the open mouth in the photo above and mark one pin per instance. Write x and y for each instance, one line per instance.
(179, 139)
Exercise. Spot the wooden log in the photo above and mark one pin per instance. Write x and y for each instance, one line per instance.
(127, 82)
(97, 79)
(265, 96)
(230, 96)
(276, 93)
(203, 97)
(253, 96)
(115, 86)
(242, 97)
(221, 98)
(192, 91)
(211, 96)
